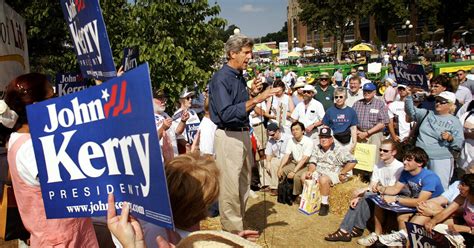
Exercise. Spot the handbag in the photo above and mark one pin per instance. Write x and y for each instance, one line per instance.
(285, 191)
(310, 198)
(344, 137)
(410, 141)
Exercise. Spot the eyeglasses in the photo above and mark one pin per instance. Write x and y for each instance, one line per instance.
(338, 97)
(441, 101)
(307, 91)
(324, 79)
(189, 98)
(384, 150)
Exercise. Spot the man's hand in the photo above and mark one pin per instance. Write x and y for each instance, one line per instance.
(280, 173)
(430, 225)
(424, 209)
(291, 175)
(167, 123)
(266, 94)
(342, 178)
(362, 135)
(354, 202)
(308, 175)
(249, 235)
(389, 198)
(309, 128)
(396, 138)
(185, 116)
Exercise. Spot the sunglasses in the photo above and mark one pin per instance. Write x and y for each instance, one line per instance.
(307, 91)
(384, 150)
(189, 98)
(460, 74)
(324, 79)
(401, 88)
(338, 97)
(441, 101)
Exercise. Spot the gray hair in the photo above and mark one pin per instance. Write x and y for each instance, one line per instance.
(236, 42)
(340, 90)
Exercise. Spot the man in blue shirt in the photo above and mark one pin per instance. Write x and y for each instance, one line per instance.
(229, 109)
(422, 185)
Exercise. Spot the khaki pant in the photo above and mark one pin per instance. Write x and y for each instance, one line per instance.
(297, 184)
(273, 176)
(234, 160)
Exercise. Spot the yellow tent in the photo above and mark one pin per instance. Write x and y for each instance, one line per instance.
(361, 48)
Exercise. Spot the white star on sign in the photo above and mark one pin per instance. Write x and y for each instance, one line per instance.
(105, 95)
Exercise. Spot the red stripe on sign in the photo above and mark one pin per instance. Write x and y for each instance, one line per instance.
(123, 92)
(111, 103)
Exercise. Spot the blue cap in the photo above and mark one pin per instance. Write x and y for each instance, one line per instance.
(369, 87)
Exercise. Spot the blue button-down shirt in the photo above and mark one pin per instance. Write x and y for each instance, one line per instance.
(227, 95)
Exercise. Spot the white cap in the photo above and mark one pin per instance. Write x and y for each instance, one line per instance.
(450, 96)
(309, 87)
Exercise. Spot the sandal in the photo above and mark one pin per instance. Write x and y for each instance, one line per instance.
(339, 235)
(356, 232)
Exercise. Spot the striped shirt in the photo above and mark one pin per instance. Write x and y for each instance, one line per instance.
(371, 113)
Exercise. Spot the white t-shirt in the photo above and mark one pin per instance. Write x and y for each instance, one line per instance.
(171, 132)
(25, 160)
(387, 174)
(192, 125)
(308, 115)
(277, 148)
(299, 149)
(279, 104)
(463, 94)
(398, 108)
(208, 130)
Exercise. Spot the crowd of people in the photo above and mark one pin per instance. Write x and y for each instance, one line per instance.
(290, 129)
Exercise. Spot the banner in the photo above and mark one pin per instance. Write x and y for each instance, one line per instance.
(97, 141)
(410, 74)
(283, 47)
(13, 45)
(89, 38)
(419, 237)
(395, 207)
(365, 155)
(130, 58)
(67, 83)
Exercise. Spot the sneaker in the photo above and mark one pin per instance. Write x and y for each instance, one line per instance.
(393, 239)
(324, 209)
(368, 240)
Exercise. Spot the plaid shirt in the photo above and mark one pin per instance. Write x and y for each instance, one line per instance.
(371, 113)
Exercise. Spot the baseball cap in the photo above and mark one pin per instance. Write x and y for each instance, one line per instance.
(325, 132)
(272, 128)
(369, 87)
(449, 96)
(324, 75)
(360, 68)
(401, 86)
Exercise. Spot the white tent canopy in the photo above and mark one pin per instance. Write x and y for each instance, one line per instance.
(297, 49)
(307, 48)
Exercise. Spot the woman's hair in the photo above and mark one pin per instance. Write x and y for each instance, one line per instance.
(193, 185)
(25, 90)
(417, 154)
(279, 83)
(340, 90)
(468, 180)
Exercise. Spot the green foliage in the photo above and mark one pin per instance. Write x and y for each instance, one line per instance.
(224, 34)
(179, 41)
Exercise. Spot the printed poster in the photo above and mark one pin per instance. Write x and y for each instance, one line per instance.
(89, 143)
(365, 155)
(67, 83)
(419, 237)
(410, 74)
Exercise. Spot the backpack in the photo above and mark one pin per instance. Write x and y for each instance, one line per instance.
(285, 191)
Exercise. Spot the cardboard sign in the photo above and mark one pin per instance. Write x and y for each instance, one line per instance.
(130, 58)
(97, 141)
(395, 207)
(410, 74)
(419, 237)
(67, 83)
(13, 45)
(365, 155)
(89, 38)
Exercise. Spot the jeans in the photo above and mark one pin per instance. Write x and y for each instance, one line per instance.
(358, 216)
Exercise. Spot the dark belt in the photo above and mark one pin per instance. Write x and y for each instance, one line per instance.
(234, 129)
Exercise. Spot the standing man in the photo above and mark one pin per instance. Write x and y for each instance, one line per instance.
(309, 112)
(464, 81)
(372, 116)
(337, 77)
(230, 105)
(325, 91)
(397, 115)
(354, 92)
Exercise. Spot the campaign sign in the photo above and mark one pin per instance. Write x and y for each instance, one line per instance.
(410, 74)
(395, 207)
(67, 83)
(97, 141)
(130, 58)
(419, 237)
(89, 38)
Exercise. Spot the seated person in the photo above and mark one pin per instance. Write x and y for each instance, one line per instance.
(432, 207)
(299, 148)
(386, 173)
(422, 184)
(464, 202)
(274, 151)
(330, 164)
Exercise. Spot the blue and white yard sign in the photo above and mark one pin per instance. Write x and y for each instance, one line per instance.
(130, 58)
(98, 141)
(410, 74)
(89, 38)
(67, 83)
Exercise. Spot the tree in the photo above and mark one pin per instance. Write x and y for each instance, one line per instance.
(224, 34)
(330, 16)
(179, 39)
(280, 36)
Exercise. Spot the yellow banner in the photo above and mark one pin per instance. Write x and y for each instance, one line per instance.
(365, 155)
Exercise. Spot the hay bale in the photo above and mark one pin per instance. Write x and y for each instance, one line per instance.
(341, 195)
(211, 223)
